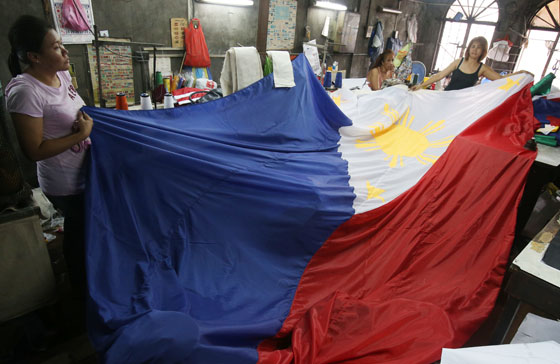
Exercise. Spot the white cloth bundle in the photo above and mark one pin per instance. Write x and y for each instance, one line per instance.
(242, 67)
(282, 68)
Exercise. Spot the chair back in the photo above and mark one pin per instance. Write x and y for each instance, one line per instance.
(419, 68)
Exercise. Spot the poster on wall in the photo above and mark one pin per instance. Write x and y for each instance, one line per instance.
(178, 26)
(281, 24)
(70, 36)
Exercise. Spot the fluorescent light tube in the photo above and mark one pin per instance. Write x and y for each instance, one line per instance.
(330, 5)
(229, 2)
(392, 11)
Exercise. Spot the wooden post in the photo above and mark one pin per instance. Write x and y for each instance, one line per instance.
(262, 27)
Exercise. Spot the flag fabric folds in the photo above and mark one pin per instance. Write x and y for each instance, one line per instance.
(273, 226)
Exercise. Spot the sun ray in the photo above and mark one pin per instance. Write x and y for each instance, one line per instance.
(421, 131)
(420, 160)
(441, 143)
(393, 162)
(428, 158)
(390, 113)
(434, 128)
(404, 118)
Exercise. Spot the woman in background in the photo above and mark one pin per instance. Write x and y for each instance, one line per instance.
(381, 70)
(467, 70)
(51, 129)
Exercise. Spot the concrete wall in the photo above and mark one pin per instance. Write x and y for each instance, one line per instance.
(224, 27)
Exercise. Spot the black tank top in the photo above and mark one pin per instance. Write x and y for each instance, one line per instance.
(461, 80)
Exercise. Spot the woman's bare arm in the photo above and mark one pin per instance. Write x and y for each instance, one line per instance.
(30, 135)
(438, 76)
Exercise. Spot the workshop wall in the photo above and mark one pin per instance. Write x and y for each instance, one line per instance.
(224, 27)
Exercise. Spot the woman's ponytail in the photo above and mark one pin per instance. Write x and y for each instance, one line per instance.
(13, 64)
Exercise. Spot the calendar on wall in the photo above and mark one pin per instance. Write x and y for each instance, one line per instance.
(70, 36)
(281, 24)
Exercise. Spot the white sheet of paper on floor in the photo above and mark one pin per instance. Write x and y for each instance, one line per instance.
(546, 352)
(536, 329)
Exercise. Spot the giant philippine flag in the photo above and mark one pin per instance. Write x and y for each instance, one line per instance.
(273, 226)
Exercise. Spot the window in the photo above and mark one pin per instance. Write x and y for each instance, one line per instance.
(541, 53)
(465, 20)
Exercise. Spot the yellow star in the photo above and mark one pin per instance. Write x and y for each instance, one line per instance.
(336, 100)
(509, 84)
(374, 192)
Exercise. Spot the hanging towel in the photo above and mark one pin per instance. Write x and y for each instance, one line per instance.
(282, 69)
(242, 67)
(412, 28)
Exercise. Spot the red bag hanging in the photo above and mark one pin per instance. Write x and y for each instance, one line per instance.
(74, 16)
(195, 44)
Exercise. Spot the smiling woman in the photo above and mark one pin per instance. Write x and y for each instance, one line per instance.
(466, 71)
(51, 129)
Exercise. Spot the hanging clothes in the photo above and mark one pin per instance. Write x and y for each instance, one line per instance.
(412, 28)
(375, 44)
(500, 50)
(394, 44)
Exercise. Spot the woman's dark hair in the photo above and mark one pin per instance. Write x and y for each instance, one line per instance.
(25, 35)
(381, 58)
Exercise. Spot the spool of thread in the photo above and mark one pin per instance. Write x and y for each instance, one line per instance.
(338, 80)
(167, 84)
(327, 81)
(175, 83)
(168, 102)
(146, 102)
(415, 79)
(159, 78)
(121, 103)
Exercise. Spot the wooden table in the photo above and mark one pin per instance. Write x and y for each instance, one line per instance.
(531, 281)
(545, 169)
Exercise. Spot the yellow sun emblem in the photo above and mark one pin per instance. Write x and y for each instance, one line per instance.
(399, 140)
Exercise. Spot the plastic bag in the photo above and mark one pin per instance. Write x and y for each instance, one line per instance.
(195, 46)
(74, 16)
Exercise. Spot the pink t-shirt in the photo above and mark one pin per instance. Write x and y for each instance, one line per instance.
(62, 174)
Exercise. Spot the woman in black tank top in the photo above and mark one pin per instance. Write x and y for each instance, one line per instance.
(460, 79)
(467, 70)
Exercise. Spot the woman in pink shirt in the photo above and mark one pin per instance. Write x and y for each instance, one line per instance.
(51, 129)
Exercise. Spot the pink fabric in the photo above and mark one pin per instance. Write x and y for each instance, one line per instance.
(74, 16)
(62, 174)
